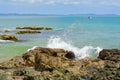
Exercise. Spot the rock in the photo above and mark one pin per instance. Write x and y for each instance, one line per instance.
(28, 32)
(31, 28)
(47, 59)
(110, 54)
(8, 37)
(15, 62)
(29, 56)
(57, 74)
(48, 28)
(5, 76)
(58, 64)
(6, 30)
(97, 69)
(34, 28)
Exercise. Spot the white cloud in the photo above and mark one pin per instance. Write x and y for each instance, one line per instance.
(74, 2)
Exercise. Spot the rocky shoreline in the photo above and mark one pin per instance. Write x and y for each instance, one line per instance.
(59, 64)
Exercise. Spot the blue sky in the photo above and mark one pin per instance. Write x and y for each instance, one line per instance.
(60, 6)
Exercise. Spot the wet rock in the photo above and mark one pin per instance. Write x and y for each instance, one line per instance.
(28, 32)
(34, 28)
(31, 28)
(110, 54)
(8, 37)
(48, 28)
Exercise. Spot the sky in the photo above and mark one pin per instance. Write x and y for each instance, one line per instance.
(60, 6)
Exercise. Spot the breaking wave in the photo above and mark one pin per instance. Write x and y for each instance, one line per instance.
(86, 51)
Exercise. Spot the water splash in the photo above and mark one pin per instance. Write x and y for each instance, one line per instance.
(86, 51)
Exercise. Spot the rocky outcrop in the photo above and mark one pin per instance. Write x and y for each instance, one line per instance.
(110, 54)
(8, 37)
(31, 28)
(28, 58)
(28, 32)
(56, 74)
(58, 64)
(87, 68)
(34, 28)
(15, 62)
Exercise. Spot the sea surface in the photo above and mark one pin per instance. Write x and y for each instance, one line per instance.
(86, 37)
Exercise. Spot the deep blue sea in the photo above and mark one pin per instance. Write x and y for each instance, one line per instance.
(80, 34)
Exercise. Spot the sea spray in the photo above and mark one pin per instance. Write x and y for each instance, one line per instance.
(86, 51)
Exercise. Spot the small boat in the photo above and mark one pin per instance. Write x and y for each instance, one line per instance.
(89, 17)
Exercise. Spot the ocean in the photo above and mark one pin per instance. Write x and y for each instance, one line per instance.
(86, 37)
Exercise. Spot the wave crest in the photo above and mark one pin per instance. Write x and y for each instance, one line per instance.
(86, 51)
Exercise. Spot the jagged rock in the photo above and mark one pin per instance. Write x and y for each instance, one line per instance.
(17, 61)
(5, 76)
(57, 74)
(58, 64)
(29, 56)
(28, 32)
(110, 54)
(97, 69)
(8, 37)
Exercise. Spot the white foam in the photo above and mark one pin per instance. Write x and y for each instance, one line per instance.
(4, 41)
(86, 51)
(32, 48)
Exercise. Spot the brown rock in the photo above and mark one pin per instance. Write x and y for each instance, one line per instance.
(28, 32)
(13, 63)
(8, 37)
(30, 28)
(110, 54)
(48, 28)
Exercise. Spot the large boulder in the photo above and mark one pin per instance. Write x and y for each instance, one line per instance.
(47, 54)
(110, 54)
(8, 37)
(28, 58)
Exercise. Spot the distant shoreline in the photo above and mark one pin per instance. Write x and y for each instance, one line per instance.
(16, 14)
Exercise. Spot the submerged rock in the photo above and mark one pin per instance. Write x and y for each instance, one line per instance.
(8, 37)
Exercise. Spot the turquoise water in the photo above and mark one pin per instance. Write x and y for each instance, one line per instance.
(76, 33)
